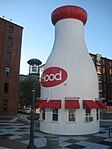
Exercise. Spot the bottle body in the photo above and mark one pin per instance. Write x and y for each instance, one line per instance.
(70, 53)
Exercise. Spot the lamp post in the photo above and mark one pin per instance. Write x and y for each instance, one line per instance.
(33, 70)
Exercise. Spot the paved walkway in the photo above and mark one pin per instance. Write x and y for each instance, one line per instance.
(6, 143)
(16, 136)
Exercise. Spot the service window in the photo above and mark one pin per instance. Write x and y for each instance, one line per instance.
(88, 112)
(55, 115)
(88, 117)
(71, 115)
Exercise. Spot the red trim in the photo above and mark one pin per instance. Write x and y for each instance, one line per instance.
(72, 104)
(41, 104)
(90, 104)
(101, 104)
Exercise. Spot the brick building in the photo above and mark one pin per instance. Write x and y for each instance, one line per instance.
(10, 51)
(104, 71)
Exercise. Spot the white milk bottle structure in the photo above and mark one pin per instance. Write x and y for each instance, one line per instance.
(69, 85)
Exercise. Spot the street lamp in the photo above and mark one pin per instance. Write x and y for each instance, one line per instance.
(33, 70)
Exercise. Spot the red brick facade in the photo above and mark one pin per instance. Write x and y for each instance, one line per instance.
(10, 51)
(104, 71)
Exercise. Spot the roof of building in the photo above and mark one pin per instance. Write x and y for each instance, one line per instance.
(3, 19)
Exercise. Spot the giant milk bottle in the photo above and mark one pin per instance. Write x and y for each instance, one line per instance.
(69, 74)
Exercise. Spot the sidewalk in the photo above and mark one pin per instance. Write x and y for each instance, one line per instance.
(16, 136)
(11, 144)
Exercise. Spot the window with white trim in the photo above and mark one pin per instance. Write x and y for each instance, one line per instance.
(71, 115)
(55, 115)
(88, 117)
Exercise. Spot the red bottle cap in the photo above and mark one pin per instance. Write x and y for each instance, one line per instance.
(69, 11)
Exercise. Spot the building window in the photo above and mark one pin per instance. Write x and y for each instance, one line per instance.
(5, 105)
(104, 96)
(110, 63)
(111, 88)
(104, 87)
(98, 59)
(11, 29)
(99, 78)
(103, 70)
(55, 115)
(8, 56)
(110, 71)
(98, 70)
(88, 112)
(100, 87)
(6, 87)
(1, 25)
(97, 114)
(9, 42)
(88, 117)
(71, 116)
(110, 79)
(7, 71)
(100, 95)
(103, 62)
(104, 78)
(43, 114)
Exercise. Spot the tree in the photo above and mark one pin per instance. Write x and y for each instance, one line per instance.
(25, 90)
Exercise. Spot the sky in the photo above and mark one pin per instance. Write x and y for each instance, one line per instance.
(38, 32)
